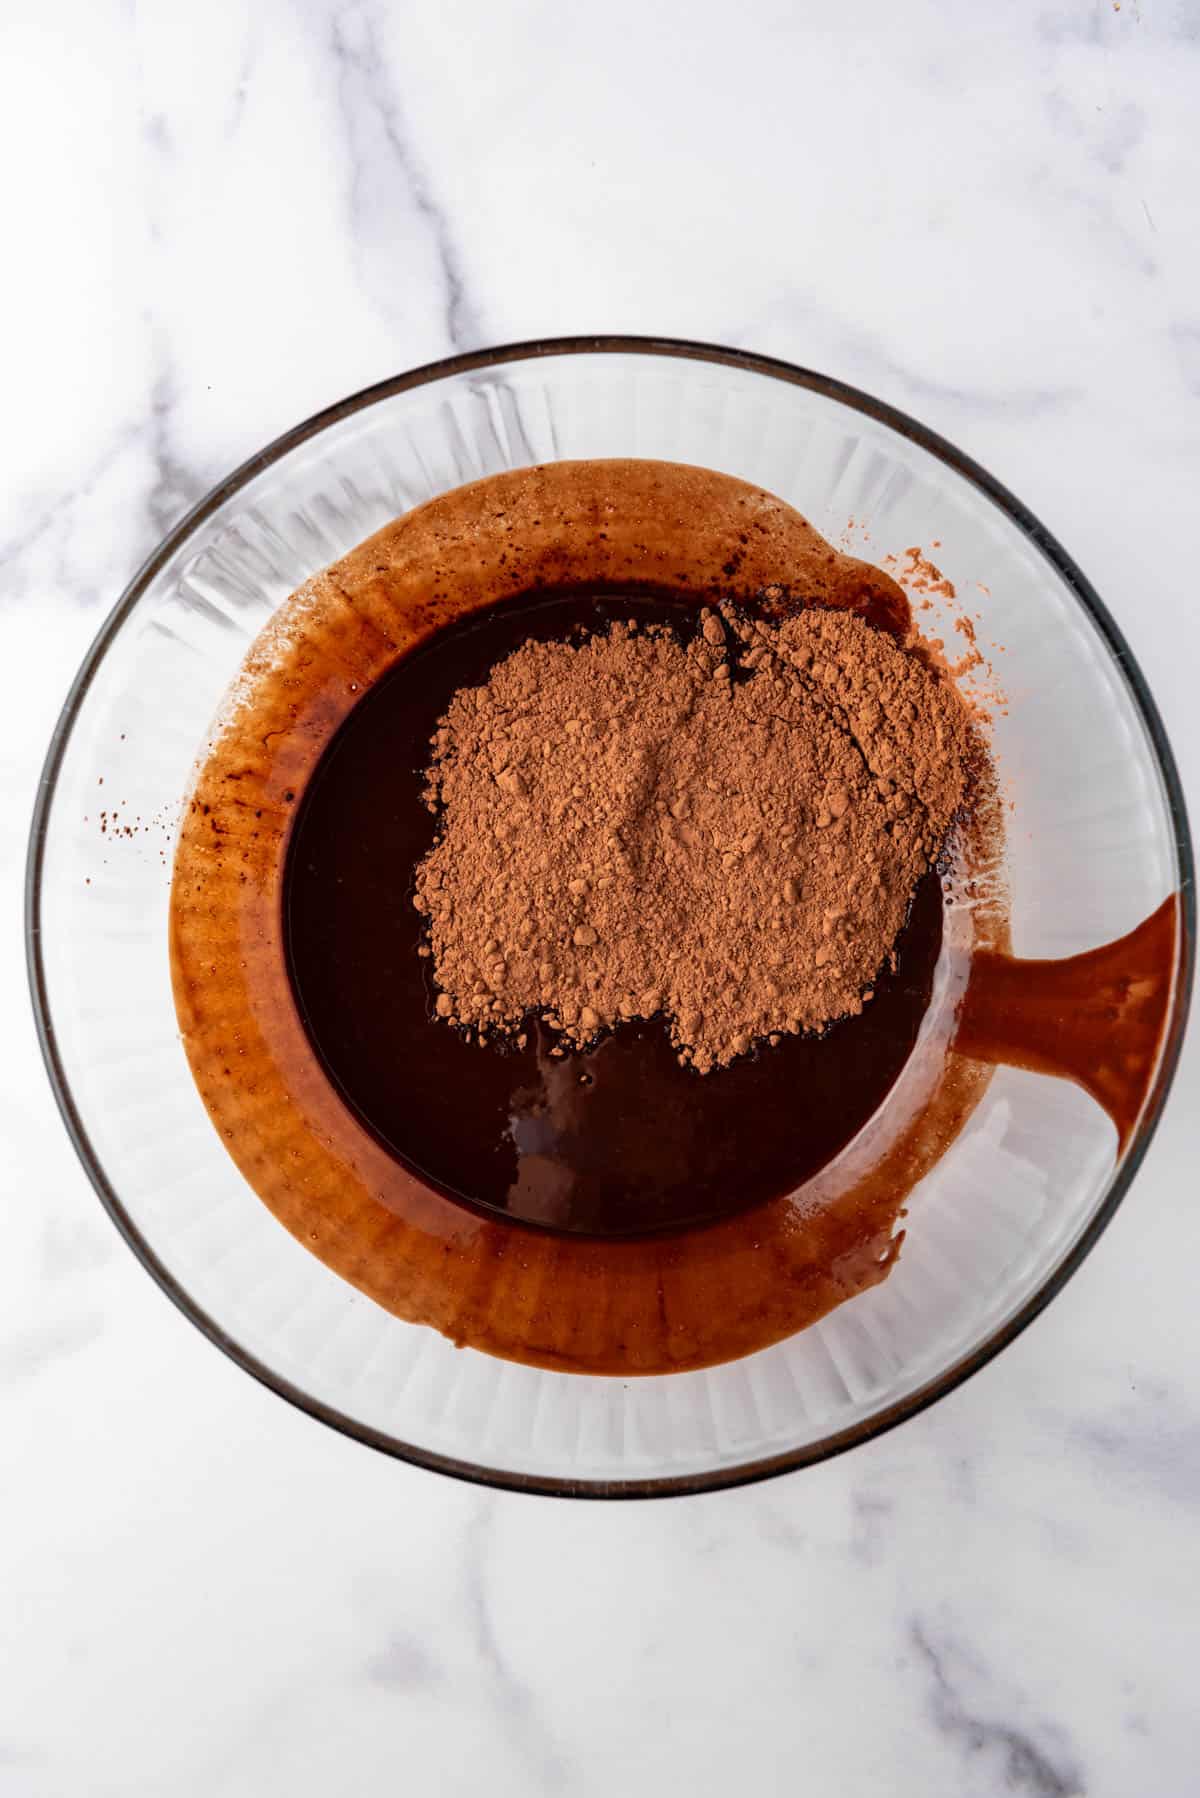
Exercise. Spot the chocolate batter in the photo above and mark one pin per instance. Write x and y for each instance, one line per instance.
(619, 1141)
(686, 1295)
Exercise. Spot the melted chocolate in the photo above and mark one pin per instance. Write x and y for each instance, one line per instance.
(618, 1141)
(679, 1297)
(657, 1303)
(1096, 1018)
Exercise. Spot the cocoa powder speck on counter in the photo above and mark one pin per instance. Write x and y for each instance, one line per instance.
(727, 831)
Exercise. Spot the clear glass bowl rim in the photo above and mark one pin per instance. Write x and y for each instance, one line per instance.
(477, 361)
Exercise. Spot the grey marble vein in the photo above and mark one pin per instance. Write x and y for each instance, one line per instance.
(53, 521)
(156, 131)
(1145, 1444)
(1026, 1765)
(373, 116)
(74, 1246)
(175, 485)
(168, 483)
(1185, 342)
(779, 1527)
(865, 352)
(872, 1514)
(13, 1754)
(1076, 24)
(30, 1351)
(1016, 400)
(1125, 129)
(515, 1699)
(402, 1664)
(241, 84)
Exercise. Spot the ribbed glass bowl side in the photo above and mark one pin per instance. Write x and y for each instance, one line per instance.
(1097, 833)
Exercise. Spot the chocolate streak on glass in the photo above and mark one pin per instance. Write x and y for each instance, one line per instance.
(1096, 1018)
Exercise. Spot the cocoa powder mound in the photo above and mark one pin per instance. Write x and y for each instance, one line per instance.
(727, 833)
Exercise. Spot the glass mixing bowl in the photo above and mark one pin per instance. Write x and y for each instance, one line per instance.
(1097, 838)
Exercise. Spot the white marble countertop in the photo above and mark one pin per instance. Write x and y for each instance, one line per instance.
(221, 217)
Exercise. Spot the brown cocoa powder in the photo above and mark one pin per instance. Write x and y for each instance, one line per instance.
(727, 833)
